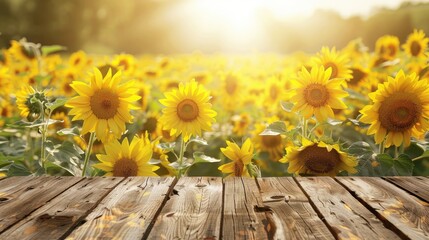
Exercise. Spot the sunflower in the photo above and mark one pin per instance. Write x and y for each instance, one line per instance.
(273, 93)
(416, 44)
(125, 62)
(5, 81)
(318, 95)
(78, 60)
(232, 89)
(241, 123)
(20, 51)
(338, 62)
(29, 108)
(272, 144)
(318, 158)
(187, 111)
(241, 157)
(103, 104)
(400, 110)
(127, 159)
(144, 93)
(151, 125)
(97, 146)
(387, 47)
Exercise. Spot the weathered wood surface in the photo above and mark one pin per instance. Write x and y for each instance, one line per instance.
(418, 186)
(193, 211)
(240, 220)
(127, 211)
(289, 212)
(214, 208)
(406, 214)
(57, 217)
(347, 218)
(19, 196)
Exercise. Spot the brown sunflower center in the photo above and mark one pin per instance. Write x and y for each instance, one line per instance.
(399, 113)
(415, 48)
(357, 76)
(104, 104)
(238, 168)
(392, 50)
(316, 95)
(318, 159)
(150, 124)
(274, 92)
(187, 110)
(124, 63)
(271, 141)
(334, 68)
(125, 167)
(231, 85)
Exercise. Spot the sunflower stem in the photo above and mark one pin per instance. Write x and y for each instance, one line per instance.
(88, 152)
(401, 148)
(381, 147)
(181, 154)
(43, 140)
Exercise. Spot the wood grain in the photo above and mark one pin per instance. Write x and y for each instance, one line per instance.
(240, 220)
(62, 213)
(19, 196)
(419, 186)
(127, 211)
(290, 214)
(345, 215)
(193, 212)
(405, 213)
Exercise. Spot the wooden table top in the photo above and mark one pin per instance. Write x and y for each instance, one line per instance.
(214, 208)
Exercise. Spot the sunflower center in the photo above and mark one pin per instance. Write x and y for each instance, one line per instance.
(357, 76)
(271, 141)
(415, 48)
(124, 63)
(150, 124)
(399, 113)
(274, 92)
(316, 95)
(238, 168)
(334, 68)
(187, 110)
(125, 167)
(104, 104)
(231, 85)
(392, 50)
(319, 160)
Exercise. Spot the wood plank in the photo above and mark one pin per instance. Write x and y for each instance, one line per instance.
(127, 212)
(419, 186)
(240, 220)
(56, 218)
(193, 212)
(345, 215)
(19, 196)
(290, 214)
(405, 213)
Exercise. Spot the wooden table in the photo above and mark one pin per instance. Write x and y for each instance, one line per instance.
(212, 208)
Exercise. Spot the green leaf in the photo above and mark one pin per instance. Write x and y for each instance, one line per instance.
(184, 165)
(167, 146)
(287, 106)
(46, 50)
(37, 123)
(275, 128)
(198, 140)
(424, 155)
(201, 157)
(56, 104)
(69, 131)
(17, 169)
(402, 166)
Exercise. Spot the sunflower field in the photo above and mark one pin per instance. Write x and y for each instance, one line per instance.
(346, 111)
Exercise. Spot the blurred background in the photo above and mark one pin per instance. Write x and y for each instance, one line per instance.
(208, 26)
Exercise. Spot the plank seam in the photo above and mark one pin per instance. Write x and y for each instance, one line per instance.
(80, 220)
(158, 212)
(406, 190)
(386, 223)
(319, 214)
(222, 214)
(31, 212)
